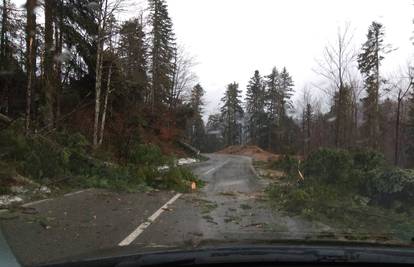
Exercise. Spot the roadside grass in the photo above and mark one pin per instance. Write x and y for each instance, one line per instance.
(354, 193)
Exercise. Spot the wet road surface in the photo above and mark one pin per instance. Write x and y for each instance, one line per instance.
(232, 206)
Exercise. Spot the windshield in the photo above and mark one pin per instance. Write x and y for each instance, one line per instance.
(158, 124)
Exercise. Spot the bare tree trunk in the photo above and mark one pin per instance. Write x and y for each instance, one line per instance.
(339, 112)
(308, 126)
(397, 131)
(58, 68)
(105, 107)
(31, 57)
(49, 87)
(303, 132)
(97, 95)
(171, 96)
(375, 126)
(98, 75)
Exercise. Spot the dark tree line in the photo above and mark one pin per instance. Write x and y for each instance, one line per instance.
(82, 69)
(262, 119)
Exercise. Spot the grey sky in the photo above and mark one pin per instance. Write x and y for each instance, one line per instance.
(232, 38)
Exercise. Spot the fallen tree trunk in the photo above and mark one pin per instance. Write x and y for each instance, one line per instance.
(189, 147)
(5, 119)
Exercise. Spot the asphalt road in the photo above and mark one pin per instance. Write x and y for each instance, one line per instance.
(230, 207)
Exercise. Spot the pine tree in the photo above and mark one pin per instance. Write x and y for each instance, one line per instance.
(255, 108)
(285, 123)
(286, 92)
(162, 51)
(273, 100)
(232, 113)
(12, 58)
(133, 53)
(369, 61)
(196, 125)
(79, 25)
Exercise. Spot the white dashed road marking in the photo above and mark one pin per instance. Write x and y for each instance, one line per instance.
(216, 168)
(129, 239)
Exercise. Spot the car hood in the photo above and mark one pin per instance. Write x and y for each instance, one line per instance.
(211, 251)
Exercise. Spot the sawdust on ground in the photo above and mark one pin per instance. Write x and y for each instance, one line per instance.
(251, 151)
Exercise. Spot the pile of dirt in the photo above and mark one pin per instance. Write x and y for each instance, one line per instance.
(251, 151)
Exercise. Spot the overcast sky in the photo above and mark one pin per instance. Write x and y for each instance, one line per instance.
(232, 38)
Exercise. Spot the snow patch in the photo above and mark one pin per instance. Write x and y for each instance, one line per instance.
(7, 200)
(163, 168)
(43, 190)
(185, 161)
(180, 162)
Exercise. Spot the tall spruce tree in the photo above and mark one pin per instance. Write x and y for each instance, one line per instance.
(162, 51)
(369, 61)
(255, 108)
(286, 92)
(133, 55)
(232, 113)
(285, 123)
(196, 125)
(272, 102)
